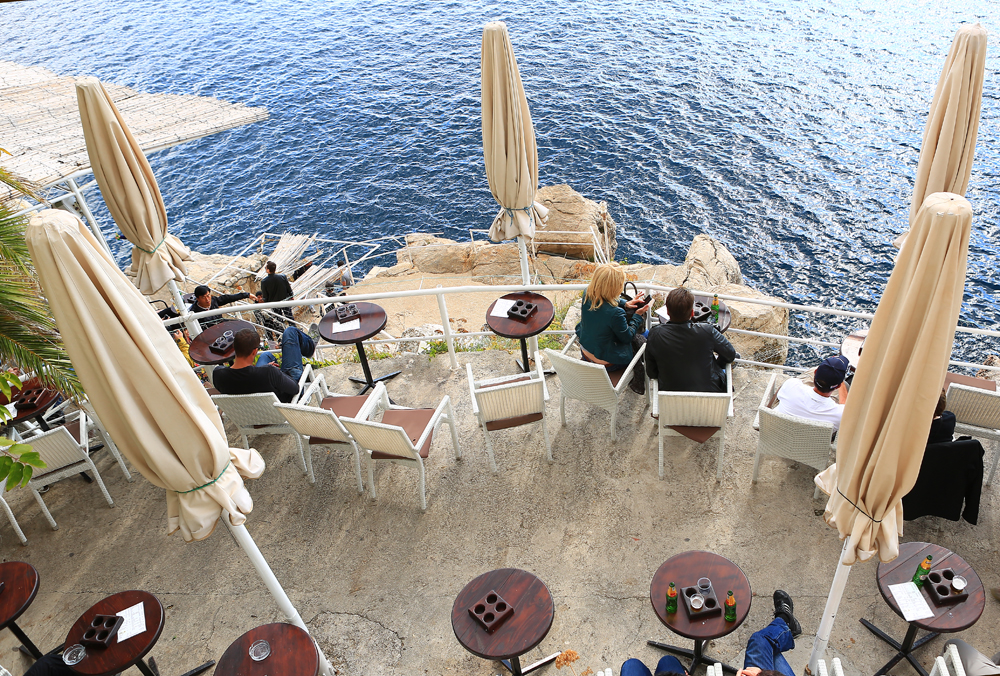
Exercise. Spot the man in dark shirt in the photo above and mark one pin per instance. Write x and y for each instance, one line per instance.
(275, 288)
(681, 354)
(252, 373)
(204, 301)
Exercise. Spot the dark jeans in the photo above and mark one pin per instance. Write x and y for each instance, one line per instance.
(668, 664)
(765, 647)
(294, 346)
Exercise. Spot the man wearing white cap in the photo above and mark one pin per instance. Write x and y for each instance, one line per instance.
(815, 403)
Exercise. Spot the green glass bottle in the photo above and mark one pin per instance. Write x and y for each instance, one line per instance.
(922, 570)
(730, 607)
(671, 598)
(715, 308)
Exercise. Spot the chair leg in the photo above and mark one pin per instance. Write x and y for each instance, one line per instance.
(423, 496)
(45, 510)
(13, 522)
(614, 425)
(660, 440)
(816, 493)
(118, 456)
(996, 461)
(489, 449)
(100, 483)
(756, 464)
(246, 443)
(454, 434)
(357, 466)
(302, 455)
(371, 477)
(548, 444)
(307, 449)
(722, 448)
(562, 408)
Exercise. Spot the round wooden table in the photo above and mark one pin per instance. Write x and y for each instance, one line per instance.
(521, 632)
(852, 345)
(293, 653)
(684, 570)
(522, 329)
(42, 404)
(725, 316)
(200, 351)
(20, 585)
(372, 320)
(120, 655)
(946, 618)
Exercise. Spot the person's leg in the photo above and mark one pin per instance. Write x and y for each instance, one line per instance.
(669, 664)
(765, 647)
(975, 663)
(294, 346)
(633, 667)
(265, 358)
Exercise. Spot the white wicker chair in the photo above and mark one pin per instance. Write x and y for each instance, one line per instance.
(591, 383)
(790, 436)
(950, 653)
(106, 438)
(692, 409)
(320, 426)
(977, 413)
(838, 669)
(510, 401)
(403, 436)
(66, 455)
(10, 515)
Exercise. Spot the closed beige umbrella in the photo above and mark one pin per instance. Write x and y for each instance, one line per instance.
(129, 189)
(949, 144)
(509, 143)
(898, 382)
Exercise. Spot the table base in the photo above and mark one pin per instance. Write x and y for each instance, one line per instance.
(697, 655)
(368, 381)
(904, 649)
(514, 664)
(368, 385)
(26, 644)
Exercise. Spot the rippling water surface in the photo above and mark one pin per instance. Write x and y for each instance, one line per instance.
(790, 131)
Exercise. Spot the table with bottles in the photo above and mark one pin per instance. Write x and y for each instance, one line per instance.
(690, 572)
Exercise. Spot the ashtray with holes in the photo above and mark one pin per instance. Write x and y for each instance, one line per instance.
(221, 344)
(711, 607)
(491, 612)
(101, 631)
(938, 586)
(521, 310)
(348, 312)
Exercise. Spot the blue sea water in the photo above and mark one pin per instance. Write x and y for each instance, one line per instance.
(788, 130)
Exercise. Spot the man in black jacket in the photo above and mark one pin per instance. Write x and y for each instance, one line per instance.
(681, 354)
(204, 301)
(275, 288)
(252, 373)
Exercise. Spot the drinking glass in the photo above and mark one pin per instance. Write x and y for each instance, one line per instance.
(74, 654)
(704, 585)
(697, 601)
(259, 650)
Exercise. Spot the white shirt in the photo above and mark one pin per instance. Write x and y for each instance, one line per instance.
(797, 398)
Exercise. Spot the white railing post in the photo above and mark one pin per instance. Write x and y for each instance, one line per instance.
(89, 216)
(448, 339)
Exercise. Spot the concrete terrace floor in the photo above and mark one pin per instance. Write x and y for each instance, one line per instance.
(376, 581)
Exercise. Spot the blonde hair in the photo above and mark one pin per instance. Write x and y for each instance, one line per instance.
(606, 285)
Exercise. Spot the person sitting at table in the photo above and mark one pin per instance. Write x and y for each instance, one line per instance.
(686, 356)
(764, 649)
(607, 334)
(252, 373)
(204, 301)
(943, 424)
(975, 663)
(798, 398)
(50, 664)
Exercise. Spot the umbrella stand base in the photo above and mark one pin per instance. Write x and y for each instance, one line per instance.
(904, 649)
(697, 656)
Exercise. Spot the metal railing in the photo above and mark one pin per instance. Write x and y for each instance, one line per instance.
(449, 336)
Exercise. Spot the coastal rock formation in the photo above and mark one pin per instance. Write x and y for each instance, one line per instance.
(571, 212)
(708, 262)
(753, 317)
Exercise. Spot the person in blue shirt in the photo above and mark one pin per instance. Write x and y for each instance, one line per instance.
(609, 332)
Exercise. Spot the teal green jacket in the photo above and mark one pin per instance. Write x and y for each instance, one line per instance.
(606, 333)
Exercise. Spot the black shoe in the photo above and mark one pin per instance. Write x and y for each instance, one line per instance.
(783, 608)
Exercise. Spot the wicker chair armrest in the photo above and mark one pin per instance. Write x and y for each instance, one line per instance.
(435, 421)
(472, 389)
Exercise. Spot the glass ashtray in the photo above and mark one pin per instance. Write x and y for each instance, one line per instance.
(74, 654)
(259, 650)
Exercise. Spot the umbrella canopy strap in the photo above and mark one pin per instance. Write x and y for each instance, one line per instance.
(870, 518)
(198, 488)
(510, 211)
(154, 248)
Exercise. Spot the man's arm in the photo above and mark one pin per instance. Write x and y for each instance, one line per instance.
(227, 298)
(722, 347)
(282, 384)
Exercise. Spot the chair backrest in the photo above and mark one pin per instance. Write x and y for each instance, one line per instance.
(695, 409)
(584, 381)
(247, 410)
(795, 438)
(499, 402)
(57, 448)
(974, 406)
(375, 436)
(313, 422)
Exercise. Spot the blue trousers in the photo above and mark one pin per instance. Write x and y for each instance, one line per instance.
(668, 664)
(294, 346)
(765, 647)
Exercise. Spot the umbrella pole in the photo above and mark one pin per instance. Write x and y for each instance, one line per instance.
(193, 327)
(247, 544)
(525, 278)
(830, 611)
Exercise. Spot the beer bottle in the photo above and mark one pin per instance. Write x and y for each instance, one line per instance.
(730, 607)
(715, 308)
(922, 570)
(671, 598)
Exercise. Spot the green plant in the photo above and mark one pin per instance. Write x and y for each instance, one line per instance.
(17, 460)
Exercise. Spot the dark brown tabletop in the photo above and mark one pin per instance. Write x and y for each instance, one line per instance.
(725, 316)
(42, 404)
(852, 345)
(293, 653)
(20, 584)
(200, 351)
(525, 629)
(959, 379)
(516, 328)
(118, 656)
(373, 319)
(684, 570)
(947, 618)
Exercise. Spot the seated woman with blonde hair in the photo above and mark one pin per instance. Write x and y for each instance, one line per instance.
(608, 335)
